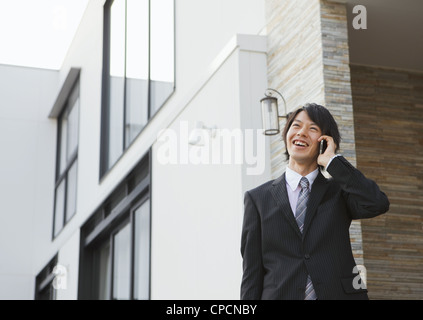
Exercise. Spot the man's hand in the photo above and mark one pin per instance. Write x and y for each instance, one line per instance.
(323, 159)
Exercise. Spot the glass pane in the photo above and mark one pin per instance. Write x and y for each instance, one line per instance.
(136, 68)
(73, 120)
(162, 52)
(71, 192)
(59, 207)
(117, 38)
(142, 252)
(116, 79)
(122, 264)
(63, 142)
(104, 273)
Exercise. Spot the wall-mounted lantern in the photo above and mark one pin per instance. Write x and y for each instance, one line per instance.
(270, 112)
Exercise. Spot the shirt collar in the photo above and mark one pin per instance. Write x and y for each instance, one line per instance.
(293, 178)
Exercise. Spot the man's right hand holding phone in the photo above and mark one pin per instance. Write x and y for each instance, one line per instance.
(324, 158)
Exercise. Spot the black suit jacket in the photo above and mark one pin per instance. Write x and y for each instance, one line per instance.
(277, 257)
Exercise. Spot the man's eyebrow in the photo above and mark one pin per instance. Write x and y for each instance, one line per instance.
(312, 123)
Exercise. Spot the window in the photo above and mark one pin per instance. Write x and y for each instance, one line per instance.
(44, 282)
(66, 161)
(129, 243)
(115, 254)
(122, 261)
(138, 70)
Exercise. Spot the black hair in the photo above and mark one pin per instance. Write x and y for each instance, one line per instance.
(320, 116)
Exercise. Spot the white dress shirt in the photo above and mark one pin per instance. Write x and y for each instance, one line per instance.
(292, 185)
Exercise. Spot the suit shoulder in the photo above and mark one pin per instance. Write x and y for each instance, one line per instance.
(263, 188)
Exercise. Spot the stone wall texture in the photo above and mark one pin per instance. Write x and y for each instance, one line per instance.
(295, 64)
(388, 117)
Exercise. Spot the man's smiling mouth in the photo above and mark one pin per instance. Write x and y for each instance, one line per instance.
(300, 143)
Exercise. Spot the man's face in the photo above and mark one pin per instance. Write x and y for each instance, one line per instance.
(302, 138)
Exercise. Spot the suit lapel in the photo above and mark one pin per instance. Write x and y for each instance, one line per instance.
(281, 197)
(318, 190)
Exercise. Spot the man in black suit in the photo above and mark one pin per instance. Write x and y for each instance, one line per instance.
(287, 259)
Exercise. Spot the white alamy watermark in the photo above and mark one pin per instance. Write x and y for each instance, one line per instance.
(360, 20)
(360, 280)
(60, 281)
(212, 146)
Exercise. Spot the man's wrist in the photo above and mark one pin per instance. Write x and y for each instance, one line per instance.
(330, 160)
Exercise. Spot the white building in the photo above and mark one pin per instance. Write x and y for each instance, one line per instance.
(130, 208)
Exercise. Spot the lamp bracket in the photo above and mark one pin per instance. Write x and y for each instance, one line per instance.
(268, 93)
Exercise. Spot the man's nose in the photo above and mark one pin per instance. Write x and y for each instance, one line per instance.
(302, 132)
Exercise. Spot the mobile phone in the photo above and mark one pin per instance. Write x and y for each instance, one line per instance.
(323, 145)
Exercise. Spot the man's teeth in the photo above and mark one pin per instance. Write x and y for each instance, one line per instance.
(298, 143)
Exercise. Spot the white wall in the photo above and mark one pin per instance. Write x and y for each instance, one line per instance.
(197, 202)
(204, 27)
(27, 162)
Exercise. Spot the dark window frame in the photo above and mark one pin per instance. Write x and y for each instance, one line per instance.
(99, 230)
(73, 95)
(44, 289)
(105, 166)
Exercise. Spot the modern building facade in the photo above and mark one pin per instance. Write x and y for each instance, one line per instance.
(124, 172)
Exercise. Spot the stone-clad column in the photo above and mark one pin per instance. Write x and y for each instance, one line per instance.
(338, 95)
(336, 70)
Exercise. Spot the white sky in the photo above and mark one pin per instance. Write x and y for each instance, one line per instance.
(38, 33)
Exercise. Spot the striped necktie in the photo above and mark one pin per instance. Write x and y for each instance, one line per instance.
(300, 212)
